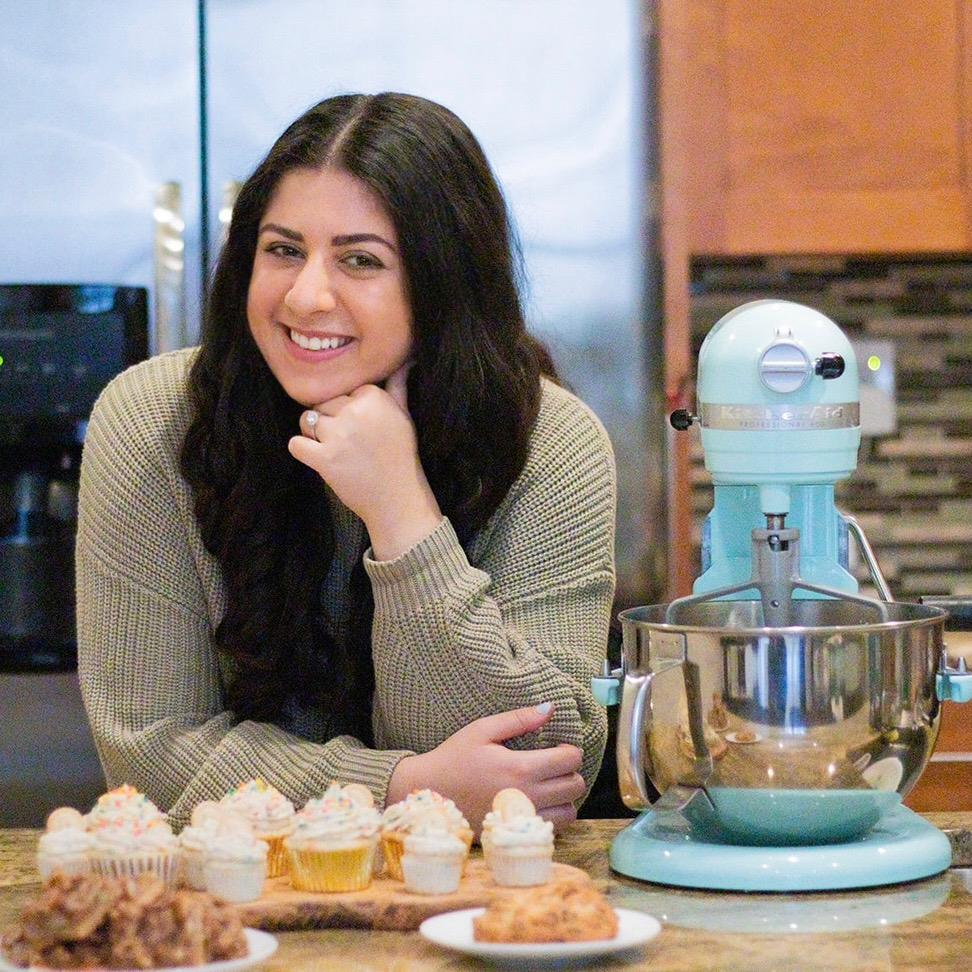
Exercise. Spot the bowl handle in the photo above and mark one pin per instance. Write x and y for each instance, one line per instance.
(633, 721)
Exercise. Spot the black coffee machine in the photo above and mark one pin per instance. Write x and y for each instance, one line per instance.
(60, 344)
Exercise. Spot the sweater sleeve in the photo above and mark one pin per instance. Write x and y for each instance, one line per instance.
(522, 618)
(148, 598)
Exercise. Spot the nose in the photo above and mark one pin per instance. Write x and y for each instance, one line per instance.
(311, 292)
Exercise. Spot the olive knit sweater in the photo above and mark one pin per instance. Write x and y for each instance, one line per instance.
(517, 618)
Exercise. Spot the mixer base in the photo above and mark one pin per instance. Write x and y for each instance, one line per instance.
(665, 850)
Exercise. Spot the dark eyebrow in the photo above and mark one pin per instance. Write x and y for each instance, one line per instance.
(360, 238)
(345, 240)
(282, 230)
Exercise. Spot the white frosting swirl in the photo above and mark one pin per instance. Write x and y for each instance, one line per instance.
(262, 804)
(115, 841)
(434, 841)
(64, 843)
(520, 832)
(196, 838)
(424, 808)
(237, 847)
(335, 817)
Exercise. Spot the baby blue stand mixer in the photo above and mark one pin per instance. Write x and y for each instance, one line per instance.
(778, 635)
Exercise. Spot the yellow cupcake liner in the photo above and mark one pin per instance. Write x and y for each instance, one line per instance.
(276, 854)
(334, 869)
(392, 847)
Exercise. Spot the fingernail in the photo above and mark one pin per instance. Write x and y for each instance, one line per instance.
(544, 707)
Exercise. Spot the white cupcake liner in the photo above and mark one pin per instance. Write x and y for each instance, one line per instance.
(432, 874)
(165, 866)
(235, 881)
(519, 870)
(71, 864)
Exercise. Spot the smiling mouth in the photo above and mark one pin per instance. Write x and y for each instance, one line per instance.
(317, 343)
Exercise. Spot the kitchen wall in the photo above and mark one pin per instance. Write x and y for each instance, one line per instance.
(912, 490)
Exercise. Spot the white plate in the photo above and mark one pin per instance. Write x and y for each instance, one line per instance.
(885, 774)
(262, 946)
(454, 930)
(733, 737)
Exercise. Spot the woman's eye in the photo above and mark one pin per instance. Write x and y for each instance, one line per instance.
(283, 249)
(362, 261)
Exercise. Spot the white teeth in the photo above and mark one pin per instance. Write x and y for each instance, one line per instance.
(316, 343)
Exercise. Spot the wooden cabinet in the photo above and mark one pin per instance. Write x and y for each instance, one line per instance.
(828, 126)
(803, 127)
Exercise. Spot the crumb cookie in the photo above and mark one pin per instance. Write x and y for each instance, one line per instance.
(569, 910)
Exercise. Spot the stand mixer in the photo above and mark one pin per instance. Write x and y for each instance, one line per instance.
(780, 714)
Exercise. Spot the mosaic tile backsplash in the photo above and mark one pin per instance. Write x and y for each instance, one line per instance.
(912, 490)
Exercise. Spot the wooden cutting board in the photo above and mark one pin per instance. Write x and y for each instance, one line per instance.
(385, 905)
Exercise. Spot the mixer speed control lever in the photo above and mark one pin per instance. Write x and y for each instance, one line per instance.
(682, 419)
(829, 365)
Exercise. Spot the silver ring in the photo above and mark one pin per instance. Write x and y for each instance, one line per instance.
(311, 418)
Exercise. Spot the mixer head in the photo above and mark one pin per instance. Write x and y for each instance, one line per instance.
(777, 404)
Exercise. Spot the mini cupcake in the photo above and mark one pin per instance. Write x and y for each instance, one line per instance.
(432, 860)
(235, 867)
(517, 843)
(209, 820)
(270, 813)
(65, 844)
(130, 836)
(333, 844)
(421, 808)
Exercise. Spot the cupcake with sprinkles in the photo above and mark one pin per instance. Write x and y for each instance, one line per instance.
(518, 844)
(270, 813)
(333, 845)
(129, 836)
(420, 808)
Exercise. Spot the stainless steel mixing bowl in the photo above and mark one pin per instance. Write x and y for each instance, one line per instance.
(791, 735)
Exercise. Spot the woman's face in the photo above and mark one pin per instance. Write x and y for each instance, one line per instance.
(327, 303)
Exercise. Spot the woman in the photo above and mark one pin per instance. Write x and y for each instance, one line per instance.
(360, 533)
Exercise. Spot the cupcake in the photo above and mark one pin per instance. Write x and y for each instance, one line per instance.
(333, 844)
(270, 813)
(432, 860)
(235, 866)
(65, 844)
(130, 836)
(423, 808)
(517, 843)
(209, 820)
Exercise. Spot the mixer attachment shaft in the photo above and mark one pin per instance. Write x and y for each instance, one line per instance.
(775, 577)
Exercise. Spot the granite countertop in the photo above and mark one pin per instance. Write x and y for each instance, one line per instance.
(919, 925)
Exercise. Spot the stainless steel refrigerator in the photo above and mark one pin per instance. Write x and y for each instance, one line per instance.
(124, 128)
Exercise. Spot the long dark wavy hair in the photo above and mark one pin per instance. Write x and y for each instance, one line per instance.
(473, 393)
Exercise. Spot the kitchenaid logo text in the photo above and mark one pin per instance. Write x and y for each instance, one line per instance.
(772, 418)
